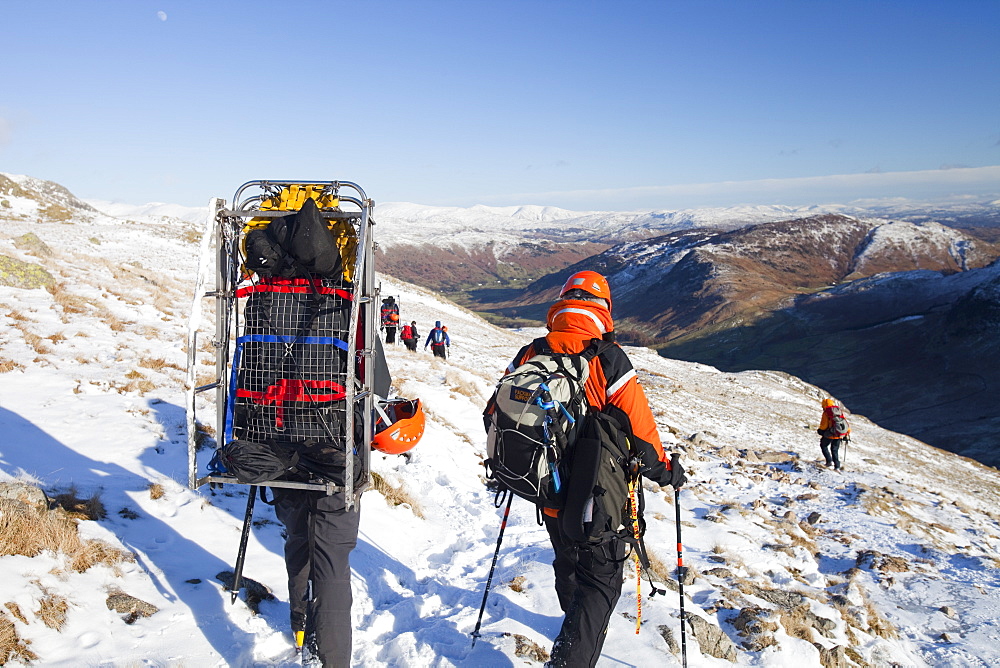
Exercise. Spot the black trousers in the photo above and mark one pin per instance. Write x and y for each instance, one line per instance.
(439, 351)
(588, 584)
(411, 344)
(390, 334)
(320, 535)
(831, 450)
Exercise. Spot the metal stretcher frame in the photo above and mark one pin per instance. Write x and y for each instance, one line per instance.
(220, 250)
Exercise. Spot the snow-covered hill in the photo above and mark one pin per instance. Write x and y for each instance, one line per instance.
(892, 562)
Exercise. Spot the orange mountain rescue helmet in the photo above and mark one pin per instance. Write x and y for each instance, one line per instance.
(588, 281)
(398, 426)
(829, 402)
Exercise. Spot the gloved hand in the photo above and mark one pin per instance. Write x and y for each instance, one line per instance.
(675, 476)
(819, 431)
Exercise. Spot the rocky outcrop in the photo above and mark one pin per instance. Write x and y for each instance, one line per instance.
(712, 640)
(16, 273)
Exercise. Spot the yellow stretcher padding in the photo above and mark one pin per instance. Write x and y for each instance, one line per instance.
(291, 198)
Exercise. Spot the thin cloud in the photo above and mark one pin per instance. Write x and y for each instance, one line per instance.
(843, 188)
(161, 15)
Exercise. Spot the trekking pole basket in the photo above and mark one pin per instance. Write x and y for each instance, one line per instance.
(285, 358)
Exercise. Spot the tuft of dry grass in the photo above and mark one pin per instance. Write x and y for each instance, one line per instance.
(134, 386)
(796, 624)
(397, 496)
(660, 570)
(157, 364)
(461, 385)
(517, 584)
(35, 342)
(878, 625)
(12, 646)
(156, 491)
(526, 648)
(15, 610)
(7, 365)
(27, 531)
(77, 507)
(204, 435)
(69, 302)
(52, 609)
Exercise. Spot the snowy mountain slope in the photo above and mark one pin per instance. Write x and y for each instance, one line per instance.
(22, 196)
(898, 568)
(151, 211)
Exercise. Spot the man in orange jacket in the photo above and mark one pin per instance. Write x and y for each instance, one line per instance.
(830, 441)
(589, 577)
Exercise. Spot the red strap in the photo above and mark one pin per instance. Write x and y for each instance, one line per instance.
(292, 389)
(292, 285)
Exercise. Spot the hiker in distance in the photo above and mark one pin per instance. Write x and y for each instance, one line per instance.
(409, 336)
(438, 340)
(389, 317)
(833, 430)
(588, 574)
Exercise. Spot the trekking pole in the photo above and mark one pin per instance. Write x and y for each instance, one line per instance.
(241, 555)
(681, 570)
(489, 580)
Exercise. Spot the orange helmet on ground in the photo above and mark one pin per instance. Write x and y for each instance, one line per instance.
(403, 428)
(588, 281)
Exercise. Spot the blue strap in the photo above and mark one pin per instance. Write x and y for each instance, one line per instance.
(273, 338)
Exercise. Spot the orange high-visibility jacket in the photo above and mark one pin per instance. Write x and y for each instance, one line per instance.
(572, 324)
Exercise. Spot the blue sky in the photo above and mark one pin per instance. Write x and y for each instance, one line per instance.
(583, 105)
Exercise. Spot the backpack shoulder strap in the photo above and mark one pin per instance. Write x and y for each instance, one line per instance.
(596, 348)
(540, 346)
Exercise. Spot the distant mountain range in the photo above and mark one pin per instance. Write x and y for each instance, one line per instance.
(892, 308)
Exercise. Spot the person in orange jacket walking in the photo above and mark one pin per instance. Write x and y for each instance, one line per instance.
(589, 576)
(833, 430)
